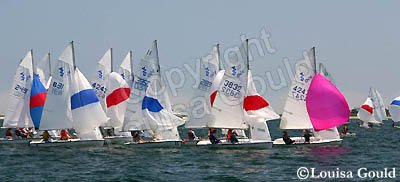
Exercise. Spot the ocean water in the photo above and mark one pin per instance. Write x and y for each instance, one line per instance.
(375, 149)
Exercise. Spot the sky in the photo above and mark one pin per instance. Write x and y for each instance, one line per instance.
(358, 41)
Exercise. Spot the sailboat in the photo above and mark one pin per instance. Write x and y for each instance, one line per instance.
(113, 92)
(71, 103)
(313, 103)
(150, 110)
(18, 110)
(210, 66)
(236, 104)
(372, 111)
(394, 110)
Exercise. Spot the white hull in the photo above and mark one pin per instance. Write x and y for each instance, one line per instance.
(67, 143)
(155, 144)
(243, 143)
(396, 126)
(347, 134)
(19, 142)
(301, 141)
(117, 140)
(190, 143)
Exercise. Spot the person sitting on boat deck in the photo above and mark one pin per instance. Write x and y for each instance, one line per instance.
(18, 134)
(9, 134)
(45, 136)
(287, 139)
(211, 136)
(64, 135)
(191, 135)
(370, 125)
(307, 136)
(136, 136)
(393, 124)
(233, 137)
(345, 129)
(229, 135)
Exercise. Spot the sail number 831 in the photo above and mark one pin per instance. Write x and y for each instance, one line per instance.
(231, 89)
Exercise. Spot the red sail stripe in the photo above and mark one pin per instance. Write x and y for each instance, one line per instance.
(254, 102)
(368, 108)
(212, 97)
(117, 96)
(38, 100)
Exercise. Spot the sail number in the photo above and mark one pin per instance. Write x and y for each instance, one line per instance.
(100, 90)
(299, 93)
(57, 88)
(231, 89)
(205, 85)
(20, 90)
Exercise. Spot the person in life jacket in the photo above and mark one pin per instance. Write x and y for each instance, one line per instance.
(233, 136)
(229, 135)
(307, 136)
(9, 134)
(45, 136)
(345, 129)
(287, 139)
(64, 135)
(191, 135)
(211, 136)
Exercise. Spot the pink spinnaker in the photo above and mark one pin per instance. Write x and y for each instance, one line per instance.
(326, 106)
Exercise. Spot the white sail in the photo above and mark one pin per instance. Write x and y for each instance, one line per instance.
(117, 97)
(227, 109)
(17, 114)
(255, 105)
(329, 134)
(43, 69)
(379, 106)
(146, 67)
(99, 81)
(125, 69)
(86, 108)
(366, 112)
(295, 115)
(57, 109)
(209, 67)
(394, 109)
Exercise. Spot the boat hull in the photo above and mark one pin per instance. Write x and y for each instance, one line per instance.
(19, 142)
(67, 143)
(241, 144)
(301, 141)
(154, 144)
(117, 140)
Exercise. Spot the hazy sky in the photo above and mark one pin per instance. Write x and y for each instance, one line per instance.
(357, 40)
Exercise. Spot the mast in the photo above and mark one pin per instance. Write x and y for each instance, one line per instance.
(73, 54)
(219, 60)
(49, 64)
(131, 63)
(158, 60)
(315, 60)
(111, 55)
(33, 63)
(247, 53)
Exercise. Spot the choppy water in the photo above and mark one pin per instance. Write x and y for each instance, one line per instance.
(375, 148)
